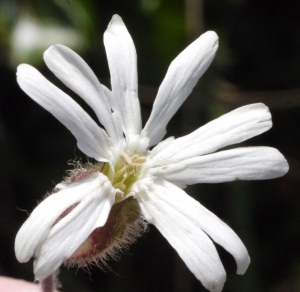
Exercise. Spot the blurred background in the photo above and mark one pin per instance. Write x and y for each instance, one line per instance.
(258, 61)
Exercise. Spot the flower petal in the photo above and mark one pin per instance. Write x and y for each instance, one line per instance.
(220, 232)
(73, 71)
(234, 127)
(70, 232)
(182, 221)
(122, 63)
(249, 163)
(183, 74)
(91, 139)
(36, 228)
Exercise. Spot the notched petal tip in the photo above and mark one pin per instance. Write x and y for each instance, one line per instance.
(211, 37)
(52, 50)
(116, 20)
(23, 69)
(283, 163)
(286, 167)
(23, 254)
(116, 17)
(182, 76)
(25, 75)
(19, 68)
(243, 265)
(52, 47)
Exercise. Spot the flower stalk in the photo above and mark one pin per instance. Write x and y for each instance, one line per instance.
(48, 284)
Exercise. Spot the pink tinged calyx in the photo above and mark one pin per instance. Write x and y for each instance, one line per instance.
(124, 226)
(125, 222)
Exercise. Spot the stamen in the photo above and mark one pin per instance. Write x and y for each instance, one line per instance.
(126, 159)
(121, 172)
(141, 160)
(134, 158)
(136, 169)
(127, 170)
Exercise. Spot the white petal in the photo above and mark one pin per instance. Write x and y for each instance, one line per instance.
(234, 127)
(179, 217)
(183, 74)
(113, 103)
(161, 146)
(122, 61)
(36, 228)
(73, 71)
(91, 139)
(249, 163)
(137, 145)
(182, 221)
(220, 232)
(69, 233)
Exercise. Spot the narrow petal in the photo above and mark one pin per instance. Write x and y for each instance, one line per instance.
(161, 146)
(249, 163)
(122, 61)
(182, 220)
(234, 127)
(69, 233)
(36, 228)
(179, 218)
(73, 71)
(220, 232)
(91, 139)
(183, 74)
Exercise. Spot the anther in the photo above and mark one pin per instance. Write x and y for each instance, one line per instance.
(141, 160)
(126, 159)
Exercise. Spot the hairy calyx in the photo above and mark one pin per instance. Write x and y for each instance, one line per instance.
(122, 228)
(125, 222)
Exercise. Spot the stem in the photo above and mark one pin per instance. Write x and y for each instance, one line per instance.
(48, 284)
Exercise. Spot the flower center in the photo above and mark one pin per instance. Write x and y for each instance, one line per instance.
(127, 171)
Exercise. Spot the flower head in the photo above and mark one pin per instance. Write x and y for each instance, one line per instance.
(148, 182)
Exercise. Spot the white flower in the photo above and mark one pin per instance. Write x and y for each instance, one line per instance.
(154, 178)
